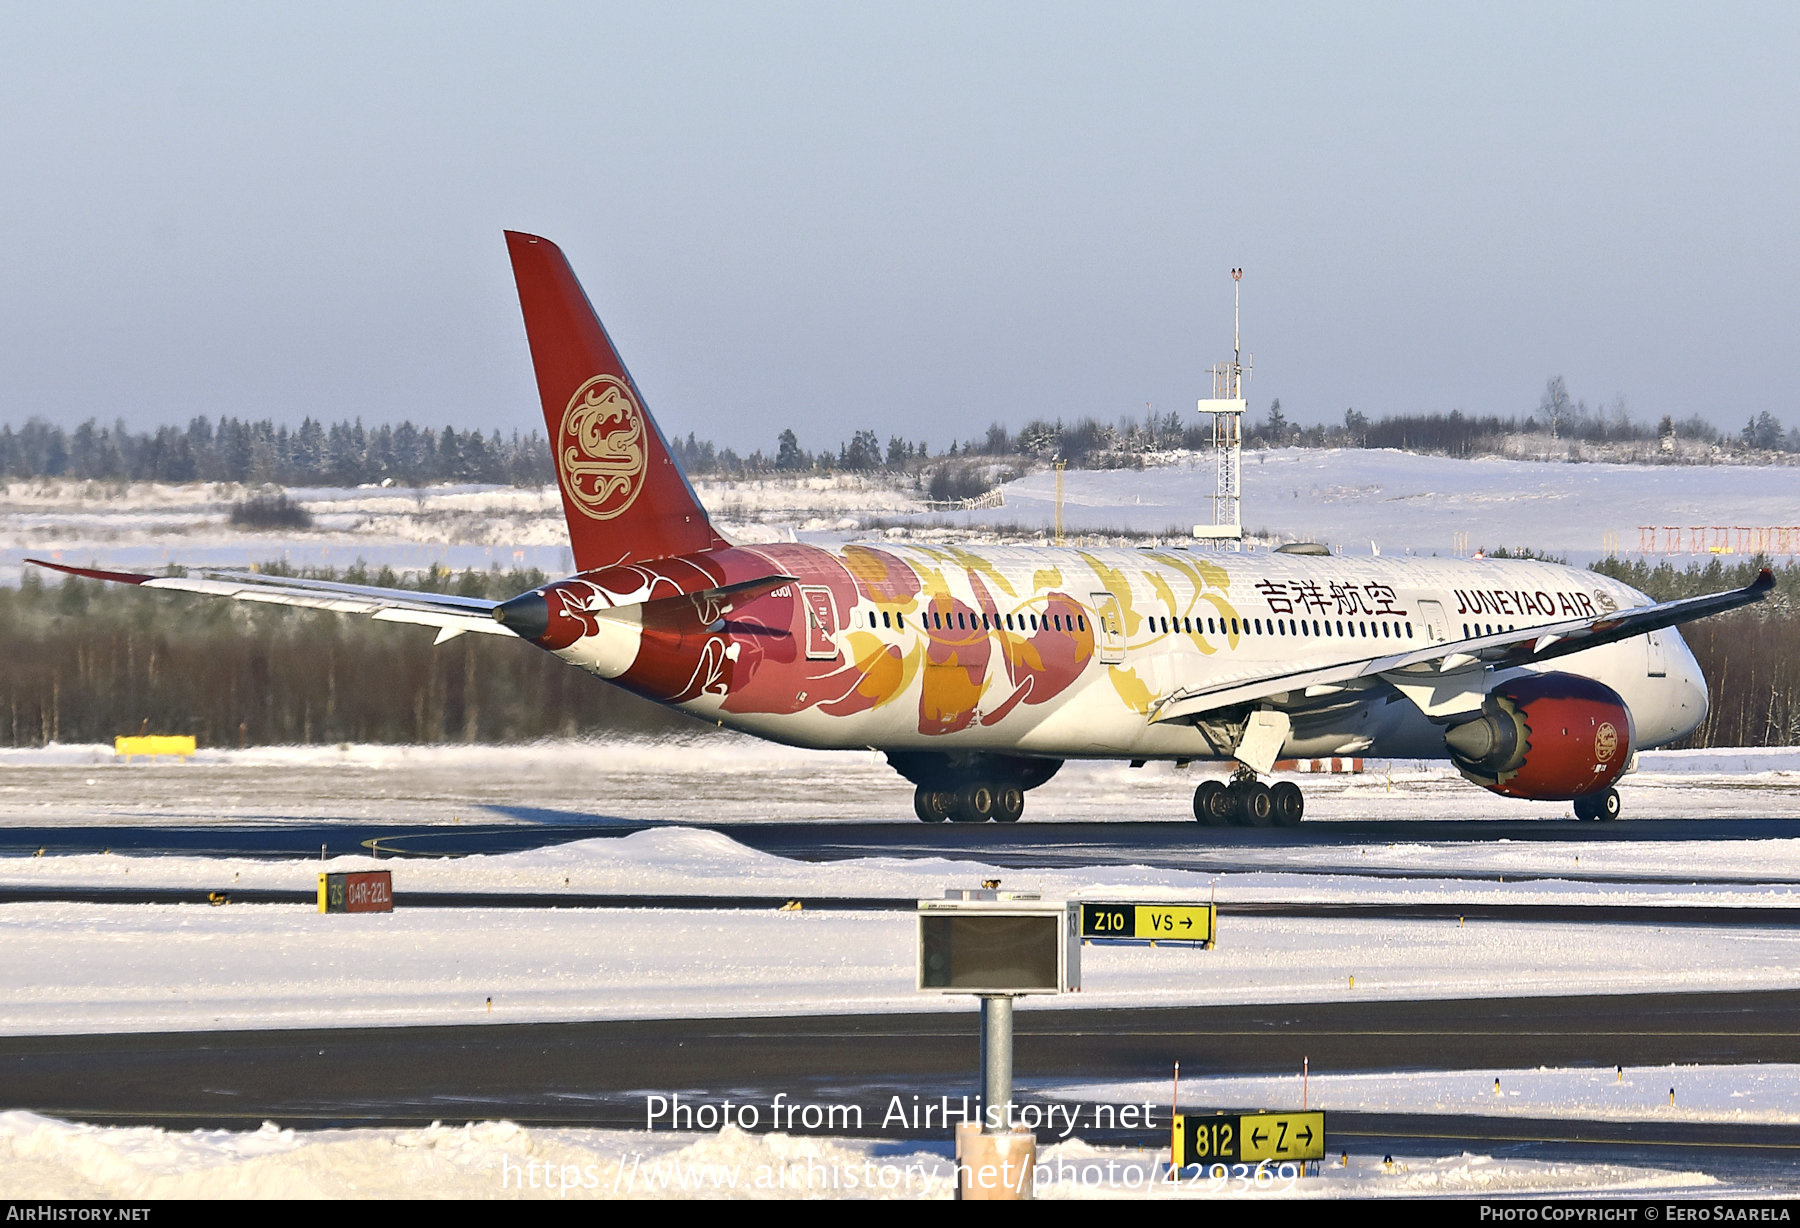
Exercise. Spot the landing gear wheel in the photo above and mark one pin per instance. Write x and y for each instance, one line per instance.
(1606, 806)
(1009, 803)
(1288, 803)
(933, 805)
(1212, 803)
(974, 803)
(1598, 807)
(1253, 806)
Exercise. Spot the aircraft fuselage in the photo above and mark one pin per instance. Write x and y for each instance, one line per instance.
(1069, 653)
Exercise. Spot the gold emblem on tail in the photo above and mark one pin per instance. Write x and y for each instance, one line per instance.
(600, 448)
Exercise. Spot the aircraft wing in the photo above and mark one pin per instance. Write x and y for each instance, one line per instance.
(452, 615)
(1423, 672)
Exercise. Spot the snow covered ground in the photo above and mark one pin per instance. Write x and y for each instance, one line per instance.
(90, 967)
(85, 968)
(1349, 498)
(44, 1158)
(149, 525)
(1405, 502)
(114, 968)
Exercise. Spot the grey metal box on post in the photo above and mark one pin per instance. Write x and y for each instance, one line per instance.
(997, 946)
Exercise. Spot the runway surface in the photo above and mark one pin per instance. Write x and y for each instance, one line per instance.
(600, 1073)
(1024, 845)
(1753, 916)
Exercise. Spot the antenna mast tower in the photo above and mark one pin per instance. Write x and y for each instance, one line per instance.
(1226, 405)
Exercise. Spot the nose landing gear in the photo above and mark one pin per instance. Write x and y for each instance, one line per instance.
(1598, 807)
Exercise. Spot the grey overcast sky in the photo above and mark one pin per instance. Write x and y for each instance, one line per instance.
(911, 217)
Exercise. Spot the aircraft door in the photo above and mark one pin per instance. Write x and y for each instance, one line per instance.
(1659, 655)
(821, 624)
(1437, 627)
(1110, 624)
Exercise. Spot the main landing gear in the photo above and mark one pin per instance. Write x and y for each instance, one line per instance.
(971, 786)
(974, 802)
(1247, 802)
(1598, 806)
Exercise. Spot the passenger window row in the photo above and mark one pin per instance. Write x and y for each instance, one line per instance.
(964, 621)
(1319, 628)
(1471, 630)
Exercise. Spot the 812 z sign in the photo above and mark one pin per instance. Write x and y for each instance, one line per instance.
(1248, 1138)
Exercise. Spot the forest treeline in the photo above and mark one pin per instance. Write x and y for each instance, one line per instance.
(86, 662)
(234, 450)
(1087, 442)
(348, 454)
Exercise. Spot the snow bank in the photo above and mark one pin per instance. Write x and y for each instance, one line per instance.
(42, 1157)
(679, 860)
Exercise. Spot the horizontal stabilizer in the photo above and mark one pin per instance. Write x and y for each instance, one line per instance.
(442, 610)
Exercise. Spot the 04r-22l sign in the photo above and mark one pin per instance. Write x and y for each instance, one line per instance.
(1168, 922)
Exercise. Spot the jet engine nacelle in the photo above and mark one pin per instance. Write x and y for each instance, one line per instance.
(1549, 737)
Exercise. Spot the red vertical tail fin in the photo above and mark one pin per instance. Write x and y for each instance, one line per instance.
(624, 495)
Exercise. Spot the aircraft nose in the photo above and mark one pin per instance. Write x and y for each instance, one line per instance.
(1686, 691)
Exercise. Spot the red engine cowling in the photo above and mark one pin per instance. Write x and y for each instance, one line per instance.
(1549, 737)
